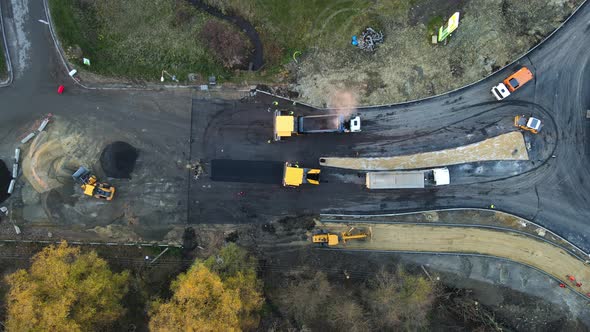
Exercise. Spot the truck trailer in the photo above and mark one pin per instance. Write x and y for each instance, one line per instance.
(408, 179)
(286, 125)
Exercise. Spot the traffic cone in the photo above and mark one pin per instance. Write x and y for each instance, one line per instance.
(60, 89)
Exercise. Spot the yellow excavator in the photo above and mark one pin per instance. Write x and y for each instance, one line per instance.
(331, 239)
(294, 176)
(90, 185)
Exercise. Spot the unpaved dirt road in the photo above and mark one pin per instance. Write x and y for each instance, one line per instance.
(514, 246)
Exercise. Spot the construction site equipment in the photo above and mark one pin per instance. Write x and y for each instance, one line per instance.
(512, 83)
(408, 179)
(286, 125)
(332, 239)
(91, 186)
(531, 124)
(368, 40)
(294, 176)
(444, 32)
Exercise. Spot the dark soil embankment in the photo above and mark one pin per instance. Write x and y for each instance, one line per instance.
(118, 160)
(5, 178)
(256, 59)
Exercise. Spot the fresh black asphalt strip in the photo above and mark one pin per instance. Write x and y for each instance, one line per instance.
(249, 171)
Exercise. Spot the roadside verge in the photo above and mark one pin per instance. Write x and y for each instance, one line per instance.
(6, 55)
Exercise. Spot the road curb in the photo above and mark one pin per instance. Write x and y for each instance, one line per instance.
(558, 281)
(93, 243)
(10, 78)
(150, 86)
(417, 101)
(67, 67)
(574, 249)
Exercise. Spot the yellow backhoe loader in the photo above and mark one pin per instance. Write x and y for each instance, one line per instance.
(90, 185)
(331, 239)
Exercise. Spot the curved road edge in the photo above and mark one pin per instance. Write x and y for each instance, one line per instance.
(475, 241)
(10, 78)
(550, 236)
(415, 101)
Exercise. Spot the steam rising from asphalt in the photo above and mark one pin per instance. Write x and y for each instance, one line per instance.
(343, 102)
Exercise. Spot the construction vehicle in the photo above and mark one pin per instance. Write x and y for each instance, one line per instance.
(531, 124)
(90, 185)
(287, 124)
(294, 176)
(512, 83)
(331, 239)
(408, 179)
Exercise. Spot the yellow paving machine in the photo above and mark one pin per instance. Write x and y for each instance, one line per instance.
(294, 176)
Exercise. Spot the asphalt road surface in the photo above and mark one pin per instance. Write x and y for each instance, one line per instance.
(552, 191)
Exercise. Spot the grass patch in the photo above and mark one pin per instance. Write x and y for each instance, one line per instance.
(134, 38)
(139, 39)
(433, 25)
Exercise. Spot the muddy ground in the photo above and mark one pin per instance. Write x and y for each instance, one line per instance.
(407, 66)
(512, 309)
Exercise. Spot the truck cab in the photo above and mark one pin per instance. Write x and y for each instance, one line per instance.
(287, 124)
(512, 83)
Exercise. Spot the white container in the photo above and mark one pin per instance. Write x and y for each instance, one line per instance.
(28, 138)
(43, 124)
(11, 186)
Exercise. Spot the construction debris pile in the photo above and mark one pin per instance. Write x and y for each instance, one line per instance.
(118, 160)
(368, 40)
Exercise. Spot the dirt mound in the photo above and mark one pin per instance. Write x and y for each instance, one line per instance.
(118, 160)
(5, 178)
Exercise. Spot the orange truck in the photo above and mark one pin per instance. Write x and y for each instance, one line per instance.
(512, 83)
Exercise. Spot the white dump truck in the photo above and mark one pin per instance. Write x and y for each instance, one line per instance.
(408, 179)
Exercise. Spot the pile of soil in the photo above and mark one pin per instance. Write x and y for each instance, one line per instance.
(5, 178)
(118, 160)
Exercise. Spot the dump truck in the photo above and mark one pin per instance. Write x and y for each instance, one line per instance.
(531, 124)
(326, 238)
(512, 83)
(287, 124)
(294, 176)
(90, 185)
(408, 179)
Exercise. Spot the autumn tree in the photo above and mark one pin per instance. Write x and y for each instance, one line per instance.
(65, 290)
(305, 298)
(400, 300)
(219, 294)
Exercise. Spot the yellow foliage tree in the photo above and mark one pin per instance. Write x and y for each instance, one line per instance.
(220, 294)
(65, 290)
(238, 272)
(200, 303)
